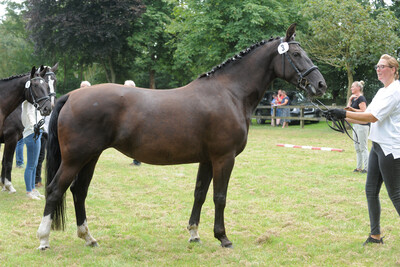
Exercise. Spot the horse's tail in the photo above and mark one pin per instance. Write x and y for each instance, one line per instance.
(53, 162)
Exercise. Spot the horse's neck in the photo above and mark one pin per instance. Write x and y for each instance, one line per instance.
(12, 94)
(251, 77)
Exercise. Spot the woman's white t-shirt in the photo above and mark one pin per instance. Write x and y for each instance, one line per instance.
(385, 106)
(29, 118)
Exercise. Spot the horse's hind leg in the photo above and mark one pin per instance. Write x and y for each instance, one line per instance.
(55, 195)
(222, 169)
(79, 189)
(8, 156)
(204, 176)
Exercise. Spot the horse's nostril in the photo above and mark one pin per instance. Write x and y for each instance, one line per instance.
(321, 84)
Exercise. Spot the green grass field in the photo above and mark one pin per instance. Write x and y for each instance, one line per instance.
(285, 206)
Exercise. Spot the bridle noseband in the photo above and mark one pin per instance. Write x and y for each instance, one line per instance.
(302, 82)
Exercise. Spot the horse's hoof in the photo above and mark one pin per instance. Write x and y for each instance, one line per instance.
(92, 244)
(195, 240)
(225, 243)
(43, 248)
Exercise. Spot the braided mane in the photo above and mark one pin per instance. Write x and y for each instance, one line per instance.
(237, 57)
(14, 77)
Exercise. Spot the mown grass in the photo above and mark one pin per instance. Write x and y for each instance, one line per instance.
(285, 207)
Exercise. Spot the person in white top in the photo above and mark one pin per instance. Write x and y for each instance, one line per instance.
(30, 117)
(384, 157)
(85, 84)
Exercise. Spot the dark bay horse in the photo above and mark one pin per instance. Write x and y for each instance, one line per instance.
(13, 128)
(206, 121)
(14, 90)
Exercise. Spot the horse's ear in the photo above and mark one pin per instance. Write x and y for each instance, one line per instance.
(291, 33)
(43, 71)
(54, 68)
(33, 72)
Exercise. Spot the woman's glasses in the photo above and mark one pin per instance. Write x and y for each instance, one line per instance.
(381, 67)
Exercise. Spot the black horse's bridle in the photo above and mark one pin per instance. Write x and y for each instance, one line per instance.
(37, 101)
(302, 82)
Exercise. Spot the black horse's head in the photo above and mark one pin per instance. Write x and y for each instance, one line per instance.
(36, 91)
(51, 80)
(293, 65)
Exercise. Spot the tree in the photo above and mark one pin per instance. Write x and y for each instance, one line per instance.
(15, 47)
(345, 34)
(87, 31)
(150, 40)
(207, 32)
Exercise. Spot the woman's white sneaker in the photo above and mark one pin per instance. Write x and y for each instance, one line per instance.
(37, 193)
(31, 196)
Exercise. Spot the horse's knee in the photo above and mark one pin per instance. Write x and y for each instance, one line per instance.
(200, 196)
(220, 199)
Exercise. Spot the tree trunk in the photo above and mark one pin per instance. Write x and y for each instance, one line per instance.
(152, 84)
(350, 80)
(81, 72)
(112, 72)
(105, 71)
(65, 76)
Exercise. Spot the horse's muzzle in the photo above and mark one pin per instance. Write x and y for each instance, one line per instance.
(45, 111)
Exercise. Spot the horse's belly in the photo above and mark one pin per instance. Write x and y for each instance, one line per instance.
(168, 155)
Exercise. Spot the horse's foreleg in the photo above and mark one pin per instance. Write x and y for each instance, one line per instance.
(204, 176)
(222, 169)
(79, 189)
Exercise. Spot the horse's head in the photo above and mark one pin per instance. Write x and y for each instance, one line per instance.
(36, 91)
(293, 65)
(51, 80)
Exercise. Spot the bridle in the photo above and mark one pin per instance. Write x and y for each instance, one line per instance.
(302, 82)
(338, 125)
(37, 101)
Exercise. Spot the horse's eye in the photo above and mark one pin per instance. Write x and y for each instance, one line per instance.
(295, 54)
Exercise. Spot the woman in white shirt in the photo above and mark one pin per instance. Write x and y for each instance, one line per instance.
(384, 157)
(29, 117)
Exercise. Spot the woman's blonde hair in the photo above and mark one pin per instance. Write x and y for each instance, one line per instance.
(393, 63)
(361, 85)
